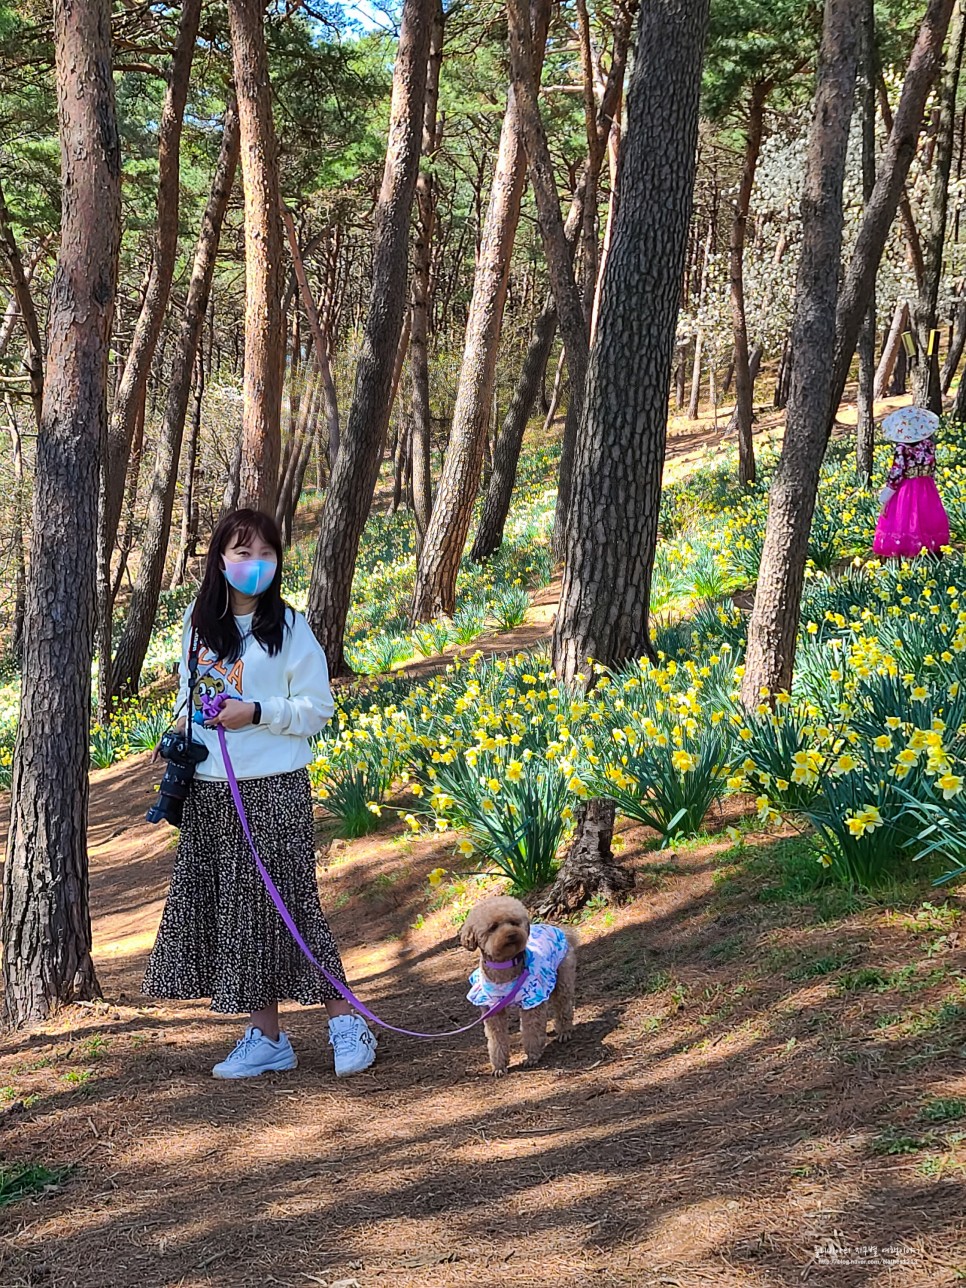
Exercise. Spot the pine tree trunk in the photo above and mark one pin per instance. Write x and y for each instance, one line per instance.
(435, 589)
(958, 341)
(865, 401)
(897, 385)
(130, 395)
(612, 533)
(891, 350)
(421, 429)
(129, 399)
(133, 645)
(356, 470)
(558, 252)
(130, 509)
(261, 437)
(744, 385)
(190, 517)
(581, 221)
(506, 451)
(695, 397)
(557, 392)
(17, 536)
(305, 431)
(330, 401)
(24, 301)
(927, 387)
(773, 630)
(46, 925)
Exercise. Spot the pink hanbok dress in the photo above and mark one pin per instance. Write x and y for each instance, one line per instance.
(913, 519)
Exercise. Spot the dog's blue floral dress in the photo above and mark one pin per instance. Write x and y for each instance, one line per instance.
(547, 946)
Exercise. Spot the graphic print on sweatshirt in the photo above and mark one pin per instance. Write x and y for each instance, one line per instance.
(218, 678)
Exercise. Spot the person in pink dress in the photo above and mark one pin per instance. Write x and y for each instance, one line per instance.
(912, 518)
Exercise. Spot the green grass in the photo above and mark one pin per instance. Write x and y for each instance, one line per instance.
(818, 967)
(26, 1180)
(943, 1110)
(870, 977)
(78, 1077)
(894, 1142)
(658, 982)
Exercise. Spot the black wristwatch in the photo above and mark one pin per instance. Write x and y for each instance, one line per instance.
(257, 713)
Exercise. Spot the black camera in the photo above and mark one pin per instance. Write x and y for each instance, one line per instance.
(183, 756)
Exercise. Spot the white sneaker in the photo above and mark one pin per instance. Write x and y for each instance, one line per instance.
(255, 1054)
(353, 1042)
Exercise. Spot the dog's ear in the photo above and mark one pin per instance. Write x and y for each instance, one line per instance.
(468, 935)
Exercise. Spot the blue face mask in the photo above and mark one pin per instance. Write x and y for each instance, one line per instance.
(250, 576)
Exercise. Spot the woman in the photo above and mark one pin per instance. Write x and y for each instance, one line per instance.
(220, 935)
(912, 518)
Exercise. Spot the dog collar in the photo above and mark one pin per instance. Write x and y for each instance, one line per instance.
(514, 961)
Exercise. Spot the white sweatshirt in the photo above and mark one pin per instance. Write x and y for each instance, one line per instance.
(293, 688)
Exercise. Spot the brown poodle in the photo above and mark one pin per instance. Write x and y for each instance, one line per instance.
(500, 928)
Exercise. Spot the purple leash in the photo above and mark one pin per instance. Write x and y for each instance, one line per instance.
(211, 709)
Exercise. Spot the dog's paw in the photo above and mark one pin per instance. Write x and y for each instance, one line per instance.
(565, 1036)
(499, 1073)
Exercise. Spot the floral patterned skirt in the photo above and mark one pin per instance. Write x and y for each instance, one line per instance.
(221, 936)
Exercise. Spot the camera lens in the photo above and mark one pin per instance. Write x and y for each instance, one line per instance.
(172, 792)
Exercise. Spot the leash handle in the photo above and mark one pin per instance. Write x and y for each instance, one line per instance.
(343, 990)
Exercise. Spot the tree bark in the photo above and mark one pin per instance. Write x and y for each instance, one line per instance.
(958, 341)
(190, 516)
(913, 245)
(261, 437)
(133, 645)
(695, 396)
(435, 588)
(612, 533)
(354, 477)
(290, 488)
(18, 535)
(25, 303)
(598, 131)
(927, 387)
(773, 630)
(421, 429)
(865, 402)
(617, 475)
(330, 400)
(744, 386)
(506, 450)
(509, 441)
(891, 349)
(46, 918)
(137, 367)
(129, 398)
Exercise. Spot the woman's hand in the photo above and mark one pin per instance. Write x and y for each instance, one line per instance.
(233, 715)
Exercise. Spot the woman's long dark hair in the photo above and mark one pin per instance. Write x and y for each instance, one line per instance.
(212, 618)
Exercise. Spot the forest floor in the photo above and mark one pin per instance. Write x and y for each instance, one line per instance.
(757, 1076)
(766, 1087)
